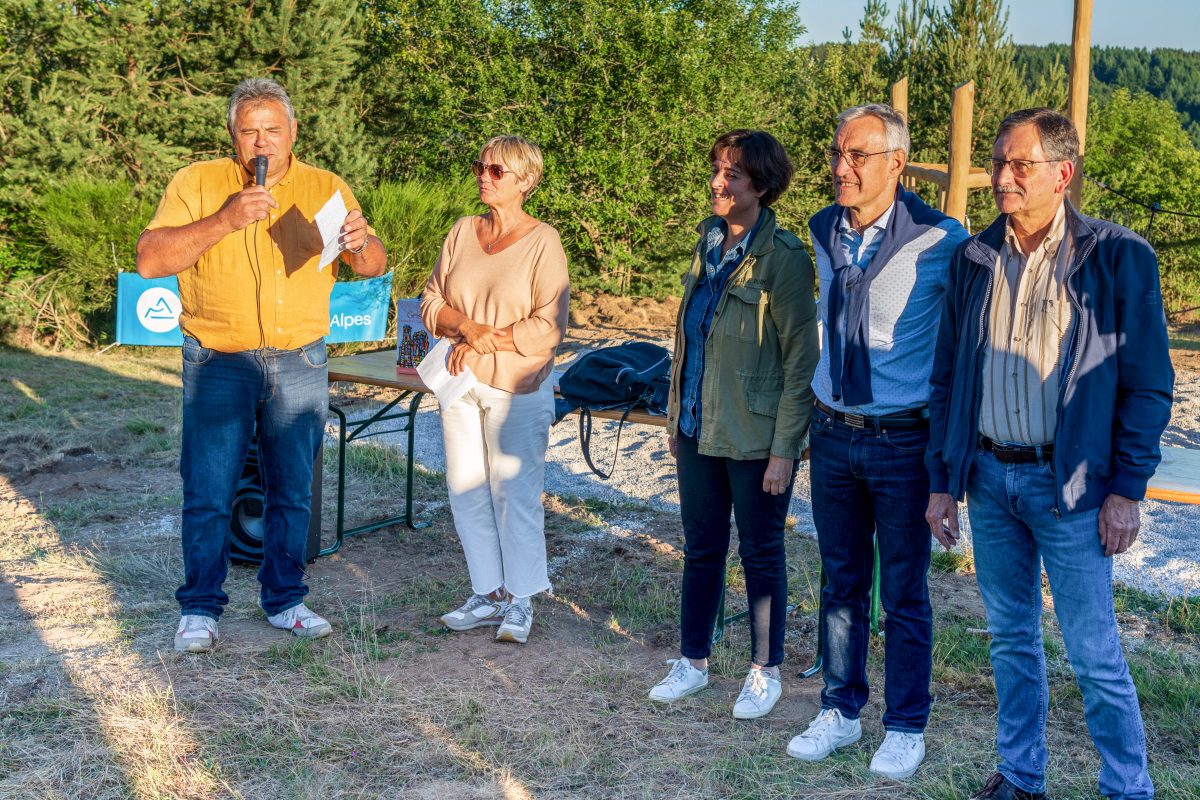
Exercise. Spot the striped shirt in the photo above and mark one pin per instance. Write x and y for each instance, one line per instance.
(1029, 317)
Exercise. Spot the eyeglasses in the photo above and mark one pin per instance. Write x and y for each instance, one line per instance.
(1020, 167)
(855, 157)
(494, 171)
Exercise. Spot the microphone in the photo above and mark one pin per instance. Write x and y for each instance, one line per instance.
(260, 170)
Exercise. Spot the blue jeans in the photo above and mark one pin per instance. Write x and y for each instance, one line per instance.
(1014, 528)
(709, 487)
(226, 396)
(869, 485)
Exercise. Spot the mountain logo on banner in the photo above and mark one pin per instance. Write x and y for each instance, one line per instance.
(158, 310)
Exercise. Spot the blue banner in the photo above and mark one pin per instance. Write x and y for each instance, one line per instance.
(148, 310)
(358, 310)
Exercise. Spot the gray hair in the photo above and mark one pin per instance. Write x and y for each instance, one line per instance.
(255, 91)
(1060, 140)
(894, 127)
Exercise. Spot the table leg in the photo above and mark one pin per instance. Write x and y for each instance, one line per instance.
(348, 431)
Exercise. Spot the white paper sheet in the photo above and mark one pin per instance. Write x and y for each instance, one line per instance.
(433, 371)
(329, 224)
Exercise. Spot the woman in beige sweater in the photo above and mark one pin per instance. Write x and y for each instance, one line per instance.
(499, 290)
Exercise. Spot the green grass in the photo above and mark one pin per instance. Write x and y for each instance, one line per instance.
(69, 516)
(426, 594)
(140, 426)
(960, 654)
(1183, 615)
(22, 411)
(1168, 685)
(371, 461)
(1128, 598)
(951, 562)
(638, 597)
(1180, 614)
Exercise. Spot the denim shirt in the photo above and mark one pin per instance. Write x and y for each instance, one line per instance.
(697, 319)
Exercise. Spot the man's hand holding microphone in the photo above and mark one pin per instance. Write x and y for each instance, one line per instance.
(253, 203)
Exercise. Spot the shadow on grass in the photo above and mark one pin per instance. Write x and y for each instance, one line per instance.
(113, 727)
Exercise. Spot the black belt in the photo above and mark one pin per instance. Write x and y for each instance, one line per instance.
(1018, 453)
(909, 418)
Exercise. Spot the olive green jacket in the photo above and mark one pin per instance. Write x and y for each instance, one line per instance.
(756, 394)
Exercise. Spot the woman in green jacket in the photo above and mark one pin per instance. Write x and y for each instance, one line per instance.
(745, 350)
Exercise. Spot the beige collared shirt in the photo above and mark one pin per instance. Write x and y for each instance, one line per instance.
(1028, 318)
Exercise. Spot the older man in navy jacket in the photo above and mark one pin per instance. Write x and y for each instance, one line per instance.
(1051, 386)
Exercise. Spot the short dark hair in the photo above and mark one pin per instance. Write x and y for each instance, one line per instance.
(1060, 140)
(761, 157)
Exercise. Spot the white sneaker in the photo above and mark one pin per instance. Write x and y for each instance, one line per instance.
(829, 731)
(759, 694)
(196, 634)
(518, 619)
(302, 622)
(479, 610)
(682, 679)
(899, 755)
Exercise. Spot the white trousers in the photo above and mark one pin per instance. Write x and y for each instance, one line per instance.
(495, 471)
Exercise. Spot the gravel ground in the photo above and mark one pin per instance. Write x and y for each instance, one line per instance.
(1164, 560)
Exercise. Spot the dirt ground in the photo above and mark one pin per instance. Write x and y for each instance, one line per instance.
(94, 703)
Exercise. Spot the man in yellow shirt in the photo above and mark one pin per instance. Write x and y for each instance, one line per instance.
(255, 301)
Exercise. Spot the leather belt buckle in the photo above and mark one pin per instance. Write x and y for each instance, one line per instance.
(854, 420)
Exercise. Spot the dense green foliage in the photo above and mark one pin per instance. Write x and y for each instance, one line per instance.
(624, 96)
(137, 88)
(130, 91)
(410, 218)
(624, 99)
(940, 46)
(1171, 75)
(1136, 144)
(85, 228)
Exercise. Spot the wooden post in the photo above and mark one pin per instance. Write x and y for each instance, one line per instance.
(959, 165)
(1081, 70)
(900, 97)
(900, 103)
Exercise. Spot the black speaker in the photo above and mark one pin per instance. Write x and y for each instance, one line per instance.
(246, 516)
(246, 523)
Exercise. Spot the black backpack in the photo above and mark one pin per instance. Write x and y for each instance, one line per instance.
(628, 376)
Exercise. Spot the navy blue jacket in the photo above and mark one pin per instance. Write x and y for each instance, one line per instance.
(1115, 397)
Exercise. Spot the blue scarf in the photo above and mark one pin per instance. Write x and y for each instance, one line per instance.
(849, 300)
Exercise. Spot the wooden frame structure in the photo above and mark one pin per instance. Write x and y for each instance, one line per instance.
(956, 177)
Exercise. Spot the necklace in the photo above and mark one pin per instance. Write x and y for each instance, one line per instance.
(488, 247)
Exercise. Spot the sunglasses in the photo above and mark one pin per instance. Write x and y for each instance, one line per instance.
(494, 171)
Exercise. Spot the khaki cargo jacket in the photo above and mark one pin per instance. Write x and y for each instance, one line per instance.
(762, 349)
